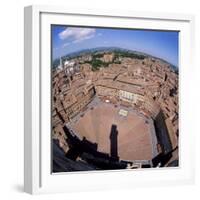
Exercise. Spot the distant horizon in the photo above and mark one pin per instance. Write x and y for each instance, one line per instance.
(67, 40)
(102, 48)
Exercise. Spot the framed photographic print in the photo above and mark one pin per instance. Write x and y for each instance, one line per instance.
(106, 97)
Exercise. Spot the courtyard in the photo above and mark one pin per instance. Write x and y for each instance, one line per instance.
(135, 138)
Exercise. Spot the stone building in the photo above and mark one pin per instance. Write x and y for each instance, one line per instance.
(148, 85)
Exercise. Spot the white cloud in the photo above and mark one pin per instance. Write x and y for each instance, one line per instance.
(66, 44)
(84, 38)
(77, 34)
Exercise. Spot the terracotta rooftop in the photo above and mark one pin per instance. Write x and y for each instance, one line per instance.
(119, 86)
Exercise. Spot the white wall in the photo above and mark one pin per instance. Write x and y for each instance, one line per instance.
(11, 101)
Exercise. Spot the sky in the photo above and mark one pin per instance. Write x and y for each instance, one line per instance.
(161, 44)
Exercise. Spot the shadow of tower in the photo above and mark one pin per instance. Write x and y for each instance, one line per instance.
(113, 143)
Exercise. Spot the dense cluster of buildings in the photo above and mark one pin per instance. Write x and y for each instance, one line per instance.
(148, 85)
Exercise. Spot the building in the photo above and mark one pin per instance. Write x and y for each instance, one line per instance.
(148, 85)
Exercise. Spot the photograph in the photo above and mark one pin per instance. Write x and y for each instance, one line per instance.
(114, 98)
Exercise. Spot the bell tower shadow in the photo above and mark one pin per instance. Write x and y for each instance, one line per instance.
(114, 143)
